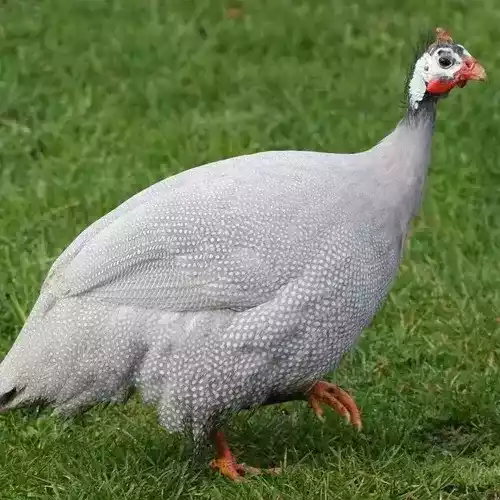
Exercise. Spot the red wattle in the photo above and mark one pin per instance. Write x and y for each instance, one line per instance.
(440, 86)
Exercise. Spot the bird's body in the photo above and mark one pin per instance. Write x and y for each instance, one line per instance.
(228, 286)
(220, 287)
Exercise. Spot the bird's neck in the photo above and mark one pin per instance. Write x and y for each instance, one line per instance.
(403, 157)
(422, 117)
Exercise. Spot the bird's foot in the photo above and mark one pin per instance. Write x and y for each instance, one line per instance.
(234, 471)
(337, 399)
(227, 466)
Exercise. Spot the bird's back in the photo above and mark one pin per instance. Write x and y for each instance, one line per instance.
(263, 212)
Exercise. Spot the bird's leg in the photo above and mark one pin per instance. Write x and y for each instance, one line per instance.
(337, 399)
(226, 464)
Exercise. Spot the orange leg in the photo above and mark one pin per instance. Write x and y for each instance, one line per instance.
(226, 464)
(337, 399)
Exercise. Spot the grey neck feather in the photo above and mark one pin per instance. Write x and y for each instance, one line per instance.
(402, 159)
(424, 115)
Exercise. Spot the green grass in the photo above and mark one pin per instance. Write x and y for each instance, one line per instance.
(99, 99)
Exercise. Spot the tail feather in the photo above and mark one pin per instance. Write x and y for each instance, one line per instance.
(72, 353)
(7, 388)
(7, 397)
(10, 390)
(12, 399)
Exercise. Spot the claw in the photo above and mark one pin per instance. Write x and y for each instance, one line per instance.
(254, 471)
(337, 399)
(316, 408)
(227, 466)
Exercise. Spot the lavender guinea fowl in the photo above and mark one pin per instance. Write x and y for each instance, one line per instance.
(235, 284)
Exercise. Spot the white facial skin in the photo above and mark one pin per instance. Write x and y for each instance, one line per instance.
(440, 64)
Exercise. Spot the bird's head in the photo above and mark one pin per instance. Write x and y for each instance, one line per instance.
(443, 66)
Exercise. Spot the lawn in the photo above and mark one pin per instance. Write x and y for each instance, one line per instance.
(99, 99)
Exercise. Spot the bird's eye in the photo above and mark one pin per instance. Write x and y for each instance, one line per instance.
(445, 61)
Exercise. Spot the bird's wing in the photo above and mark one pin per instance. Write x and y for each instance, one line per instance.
(186, 250)
(99, 225)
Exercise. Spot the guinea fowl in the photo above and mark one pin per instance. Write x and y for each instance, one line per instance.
(234, 284)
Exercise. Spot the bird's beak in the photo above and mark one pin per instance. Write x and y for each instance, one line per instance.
(470, 70)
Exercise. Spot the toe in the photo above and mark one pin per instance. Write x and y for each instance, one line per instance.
(226, 468)
(337, 399)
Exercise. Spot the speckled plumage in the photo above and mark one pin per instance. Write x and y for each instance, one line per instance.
(218, 288)
(227, 286)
